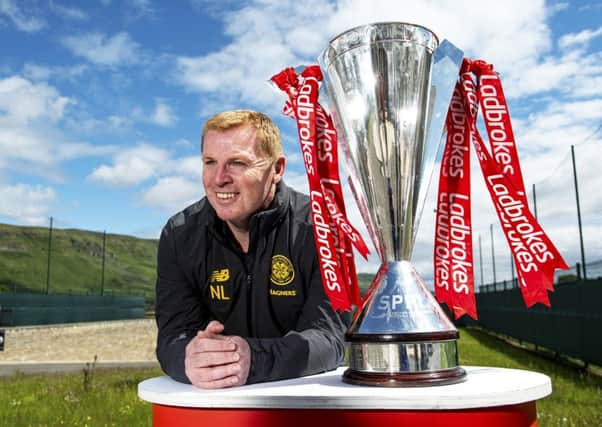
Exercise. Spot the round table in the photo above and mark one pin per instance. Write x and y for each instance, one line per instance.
(488, 396)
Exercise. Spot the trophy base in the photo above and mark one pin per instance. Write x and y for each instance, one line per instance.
(414, 379)
(403, 360)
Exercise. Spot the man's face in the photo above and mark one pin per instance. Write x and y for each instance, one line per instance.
(239, 179)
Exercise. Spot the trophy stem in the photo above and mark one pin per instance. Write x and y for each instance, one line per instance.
(401, 337)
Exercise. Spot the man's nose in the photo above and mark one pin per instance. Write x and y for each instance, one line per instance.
(222, 175)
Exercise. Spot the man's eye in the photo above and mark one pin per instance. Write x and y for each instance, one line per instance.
(208, 162)
(238, 163)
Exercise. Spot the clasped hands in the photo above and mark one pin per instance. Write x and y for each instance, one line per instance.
(216, 361)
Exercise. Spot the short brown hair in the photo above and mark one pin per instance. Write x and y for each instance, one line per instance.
(267, 131)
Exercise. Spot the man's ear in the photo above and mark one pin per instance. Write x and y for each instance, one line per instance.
(279, 166)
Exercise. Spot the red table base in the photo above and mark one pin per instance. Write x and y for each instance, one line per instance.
(522, 415)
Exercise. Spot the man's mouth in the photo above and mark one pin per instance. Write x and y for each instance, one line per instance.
(225, 196)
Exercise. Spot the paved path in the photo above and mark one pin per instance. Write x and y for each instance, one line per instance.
(59, 348)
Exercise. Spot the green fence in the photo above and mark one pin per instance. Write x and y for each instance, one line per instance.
(572, 326)
(39, 309)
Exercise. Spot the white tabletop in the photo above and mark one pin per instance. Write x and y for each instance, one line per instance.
(484, 387)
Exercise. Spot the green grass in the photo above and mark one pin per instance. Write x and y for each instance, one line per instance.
(109, 397)
(576, 398)
(76, 262)
(95, 398)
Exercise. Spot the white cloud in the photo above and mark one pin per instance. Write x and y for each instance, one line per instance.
(25, 203)
(75, 150)
(174, 183)
(578, 39)
(101, 49)
(163, 114)
(21, 144)
(23, 101)
(44, 73)
(132, 166)
(41, 150)
(173, 193)
(596, 6)
(30, 137)
(557, 7)
(23, 20)
(190, 166)
(117, 122)
(66, 12)
(36, 72)
(185, 143)
(544, 138)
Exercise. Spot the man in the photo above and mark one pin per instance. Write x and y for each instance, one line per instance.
(239, 294)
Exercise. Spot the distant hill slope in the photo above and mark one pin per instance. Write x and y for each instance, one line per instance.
(75, 262)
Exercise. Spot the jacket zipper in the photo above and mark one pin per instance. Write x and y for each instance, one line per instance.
(250, 302)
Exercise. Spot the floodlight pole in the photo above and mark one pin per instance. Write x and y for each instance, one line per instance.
(578, 213)
(535, 202)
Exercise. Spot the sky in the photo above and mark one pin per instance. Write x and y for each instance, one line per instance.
(102, 103)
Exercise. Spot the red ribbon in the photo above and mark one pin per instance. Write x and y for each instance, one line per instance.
(333, 233)
(453, 263)
(534, 254)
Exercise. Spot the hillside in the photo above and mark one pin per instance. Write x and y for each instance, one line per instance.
(75, 262)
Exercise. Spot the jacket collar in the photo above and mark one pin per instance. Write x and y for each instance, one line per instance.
(261, 222)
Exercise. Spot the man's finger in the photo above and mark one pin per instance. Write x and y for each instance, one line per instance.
(212, 330)
(212, 359)
(222, 383)
(201, 345)
(214, 373)
(215, 327)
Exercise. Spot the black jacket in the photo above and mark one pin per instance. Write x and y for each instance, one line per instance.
(272, 295)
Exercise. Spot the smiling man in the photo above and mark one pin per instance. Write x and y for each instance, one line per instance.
(239, 294)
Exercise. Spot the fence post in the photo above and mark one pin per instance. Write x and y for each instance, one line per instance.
(481, 260)
(512, 270)
(102, 272)
(49, 250)
(492, 253)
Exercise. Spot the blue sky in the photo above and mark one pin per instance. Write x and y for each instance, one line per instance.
(102, 102)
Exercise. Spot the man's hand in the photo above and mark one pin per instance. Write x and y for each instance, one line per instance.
(215, 361)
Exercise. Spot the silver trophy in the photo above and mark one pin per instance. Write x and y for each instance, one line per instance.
(389, 86)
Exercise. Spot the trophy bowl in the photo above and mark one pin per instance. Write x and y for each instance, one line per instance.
(389, 86)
